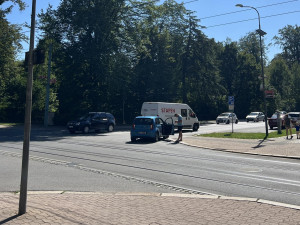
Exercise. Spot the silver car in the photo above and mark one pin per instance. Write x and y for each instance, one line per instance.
(227, 117)
(295, 117)
(255, 117)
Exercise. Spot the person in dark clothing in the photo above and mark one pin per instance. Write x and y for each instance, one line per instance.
(288, 126)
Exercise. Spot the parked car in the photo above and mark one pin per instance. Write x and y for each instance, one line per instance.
(151, 127)
(227, 117)
(295, 116)
(272, 121)
(93, 121)
(255, 117)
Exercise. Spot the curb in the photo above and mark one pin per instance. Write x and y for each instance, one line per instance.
(227, 150)
(214, 197)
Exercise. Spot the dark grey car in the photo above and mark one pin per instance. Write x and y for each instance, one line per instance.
(93, 121)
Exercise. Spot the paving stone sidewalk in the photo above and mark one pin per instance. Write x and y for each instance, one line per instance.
(280, 147)
(66, 208)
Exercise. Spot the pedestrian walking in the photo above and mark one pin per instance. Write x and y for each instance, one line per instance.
(179, 125)
(297, 129)
(288, 126)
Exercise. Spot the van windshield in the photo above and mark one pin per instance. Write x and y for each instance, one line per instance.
(143, 121)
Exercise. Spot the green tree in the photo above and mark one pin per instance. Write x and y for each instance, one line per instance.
(205, 92)
(280, 78)
(251, 45)
(157, 40)
(296, 86)
(88, 33)
(289, 40)
(247, 94)
(11, 81)
(228, 66)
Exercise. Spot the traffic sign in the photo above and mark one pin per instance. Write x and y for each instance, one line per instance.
(269, 93)
(230, 100)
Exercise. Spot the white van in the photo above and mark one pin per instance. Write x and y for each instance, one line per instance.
(166, 110)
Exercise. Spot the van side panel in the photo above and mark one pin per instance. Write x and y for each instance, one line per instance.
(166, 110)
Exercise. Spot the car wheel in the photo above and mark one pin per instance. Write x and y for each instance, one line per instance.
(133, 139)
(85, 130)
(110, 128)
(217, 122)
(247, 121)
(227, 122)
(236, 122)
(195, 127)
(271, 128)
(156, 137)
(71, 131)
(165, 137)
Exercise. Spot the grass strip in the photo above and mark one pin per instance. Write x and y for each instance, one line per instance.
(246, 135)
(10, 124)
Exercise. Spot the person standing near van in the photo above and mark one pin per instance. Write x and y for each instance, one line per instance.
(179, 125)
(288, 126)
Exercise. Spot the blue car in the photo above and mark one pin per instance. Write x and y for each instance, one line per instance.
(151, 127)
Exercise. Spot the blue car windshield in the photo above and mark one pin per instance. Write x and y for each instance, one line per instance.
(143, 121)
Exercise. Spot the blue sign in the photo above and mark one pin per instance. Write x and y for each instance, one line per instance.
(230, 100)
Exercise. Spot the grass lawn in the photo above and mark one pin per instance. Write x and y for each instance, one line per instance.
(246, 135)
(9, 124)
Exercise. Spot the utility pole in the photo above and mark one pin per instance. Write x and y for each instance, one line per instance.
(27, 123)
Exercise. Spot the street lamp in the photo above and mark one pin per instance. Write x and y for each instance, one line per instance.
(261, 34)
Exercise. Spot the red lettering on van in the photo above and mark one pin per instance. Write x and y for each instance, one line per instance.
(167, 110)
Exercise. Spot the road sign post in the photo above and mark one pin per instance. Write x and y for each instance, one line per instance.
(231, 108)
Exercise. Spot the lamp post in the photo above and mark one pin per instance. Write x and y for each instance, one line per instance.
(261, 34)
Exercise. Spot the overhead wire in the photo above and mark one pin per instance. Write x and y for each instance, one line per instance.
(259, 7)
(190, 1)
(240, 21)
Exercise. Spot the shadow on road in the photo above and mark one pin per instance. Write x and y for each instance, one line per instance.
(40, 133)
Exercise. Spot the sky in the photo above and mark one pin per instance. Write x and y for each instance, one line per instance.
(220, 17)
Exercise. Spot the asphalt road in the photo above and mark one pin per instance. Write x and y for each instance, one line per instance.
(110, 162)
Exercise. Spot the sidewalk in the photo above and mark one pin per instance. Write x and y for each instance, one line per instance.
(66, 208)
(280, 147)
